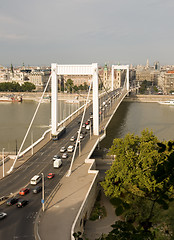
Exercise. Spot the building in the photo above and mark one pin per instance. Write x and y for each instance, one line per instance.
(166, 81)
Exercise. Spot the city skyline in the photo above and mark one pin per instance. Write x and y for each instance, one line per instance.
(73, 32)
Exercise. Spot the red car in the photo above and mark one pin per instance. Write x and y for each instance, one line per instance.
(50, 175)
(24, 191)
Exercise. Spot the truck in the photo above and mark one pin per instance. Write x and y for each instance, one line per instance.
(57, 163)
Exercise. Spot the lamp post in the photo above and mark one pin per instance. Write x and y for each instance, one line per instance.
(3, 172)
(43, 193)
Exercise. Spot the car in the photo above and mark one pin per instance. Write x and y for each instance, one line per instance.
(81, 136)
(24, 191)
(12, 201)
(84, 125)
(65, 155)
(87, 127)
(70, 148)
(37, 189)
(3, 215)
(63, 149)
(87, 122)
(21, 203)
(50, 175)
(56, 157)
(73, 138)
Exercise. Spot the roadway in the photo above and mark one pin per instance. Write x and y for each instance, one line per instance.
(19, 222)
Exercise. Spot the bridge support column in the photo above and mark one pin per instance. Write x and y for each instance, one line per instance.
(54, 106)
(95, 100)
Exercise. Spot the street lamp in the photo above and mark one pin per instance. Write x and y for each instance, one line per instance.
(3, 172)
(43, 193)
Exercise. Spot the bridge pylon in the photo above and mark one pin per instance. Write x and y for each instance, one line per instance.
(120, 67)
(90, 69)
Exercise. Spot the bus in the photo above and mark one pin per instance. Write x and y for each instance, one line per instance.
(58, 134)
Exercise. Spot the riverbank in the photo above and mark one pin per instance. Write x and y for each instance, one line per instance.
(35, 96)
(148, 98)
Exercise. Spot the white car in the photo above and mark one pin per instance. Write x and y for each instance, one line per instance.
(65, 155)
(63, 149)
(70, 148)
(87, 127)
(3, 215)
(81, 136)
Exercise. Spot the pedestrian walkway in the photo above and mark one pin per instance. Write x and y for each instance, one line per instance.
(94, 229)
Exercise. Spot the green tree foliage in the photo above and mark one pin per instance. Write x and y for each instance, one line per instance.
(144, 85)
(28, 87)
(141, 177)
(69, 85)
(126, 231)
(15, 87)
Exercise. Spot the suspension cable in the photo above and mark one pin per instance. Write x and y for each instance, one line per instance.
(11, 169)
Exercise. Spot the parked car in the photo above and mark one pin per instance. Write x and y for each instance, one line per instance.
(37, 189)
(24, 191)
(70, 148)
(21, 203)
(12, 201)
(3, 215)
(65, 155)
(84, 125)
(63, 149)
(50, 175)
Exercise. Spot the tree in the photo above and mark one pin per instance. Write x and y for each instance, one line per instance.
(69, 84)
(142, 175)
(126, 231)
(28, 87)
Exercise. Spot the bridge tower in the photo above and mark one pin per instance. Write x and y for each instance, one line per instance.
(120, 67)
(74, 70)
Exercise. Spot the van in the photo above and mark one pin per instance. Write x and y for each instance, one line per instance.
(57, 163)
(35, 180)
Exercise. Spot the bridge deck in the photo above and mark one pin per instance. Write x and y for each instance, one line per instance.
(62, 210)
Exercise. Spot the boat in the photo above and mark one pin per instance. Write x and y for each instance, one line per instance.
(169, 102)
(72, 101)
(10, 99)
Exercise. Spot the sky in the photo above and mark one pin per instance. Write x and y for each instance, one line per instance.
(41, 32)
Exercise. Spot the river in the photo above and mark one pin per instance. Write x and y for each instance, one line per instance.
(131, 117)
(16, 117)
(134, 117)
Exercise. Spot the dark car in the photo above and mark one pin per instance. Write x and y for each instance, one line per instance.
(37, 189)
(21, 203)
(12, 201)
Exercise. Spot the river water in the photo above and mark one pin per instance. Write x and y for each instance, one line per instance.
(131, 117)
(134, 117)
(16, 117)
